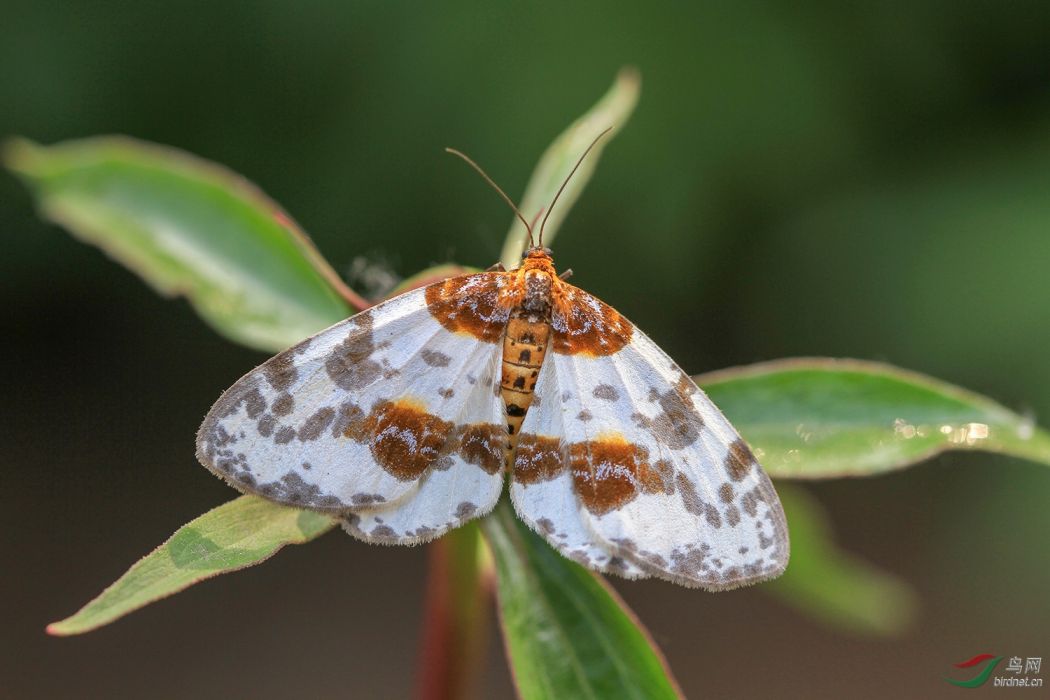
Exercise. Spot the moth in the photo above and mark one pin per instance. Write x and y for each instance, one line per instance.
(407, 419)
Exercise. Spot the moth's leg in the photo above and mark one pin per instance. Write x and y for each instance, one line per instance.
(498, 267)
(565, 275)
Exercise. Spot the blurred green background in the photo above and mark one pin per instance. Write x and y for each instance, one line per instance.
(862, 181)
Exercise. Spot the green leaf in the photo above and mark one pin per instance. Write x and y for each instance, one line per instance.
(567, 633)
(238, 534)
(822, 418)
(834, 586)
(191, 227)
(612, 110)
(187, 226)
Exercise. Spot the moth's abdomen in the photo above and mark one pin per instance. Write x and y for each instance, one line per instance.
(525, 344)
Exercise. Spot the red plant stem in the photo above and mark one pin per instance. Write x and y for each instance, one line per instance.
(355, 300)
(455, 622)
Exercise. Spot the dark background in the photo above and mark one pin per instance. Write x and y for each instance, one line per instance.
(862, 181)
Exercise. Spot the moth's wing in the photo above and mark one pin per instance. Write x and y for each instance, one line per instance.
(466, 478)
(541, 487)
(661, 477)
(387, 418)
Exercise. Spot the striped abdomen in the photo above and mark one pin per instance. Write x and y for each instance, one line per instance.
(524, 347)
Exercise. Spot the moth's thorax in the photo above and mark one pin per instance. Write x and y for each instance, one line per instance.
(537, 277)
(537, 299)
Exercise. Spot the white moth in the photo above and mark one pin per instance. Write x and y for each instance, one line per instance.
(406, 419)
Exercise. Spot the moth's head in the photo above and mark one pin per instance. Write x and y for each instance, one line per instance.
(538, 259)
(536, 252)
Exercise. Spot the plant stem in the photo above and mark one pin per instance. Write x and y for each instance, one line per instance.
(455, 622)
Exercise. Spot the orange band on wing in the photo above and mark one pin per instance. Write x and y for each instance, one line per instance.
(478, 305)
(405, 440)
(609, 472)
(585, 325)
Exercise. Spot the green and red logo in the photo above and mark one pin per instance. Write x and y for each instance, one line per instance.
(989, 661)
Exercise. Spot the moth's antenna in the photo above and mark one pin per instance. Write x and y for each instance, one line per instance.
(571, 173)
(496, 187)
(537, 217)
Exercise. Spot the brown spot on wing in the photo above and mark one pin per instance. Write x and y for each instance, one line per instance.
(292, 489)
(685, 386)
(739, 460)
(609, 472)
(266, 425)
(435, 358)
(477, 305)
(546, 525)
(283, 405)
(696, 505)
(749, 501)
(349, 420)
(538, 458)
(254, 403)
(666, 471)
(384, 532)
(585, 325)
(678, 424)
(404, 438)
(316, 424)
(482, 444)
(350, 364)
(280, 371)
(465, 509)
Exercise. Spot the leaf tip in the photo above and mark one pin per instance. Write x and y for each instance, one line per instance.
(629, 78)
(58, 629)
(18, 154)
